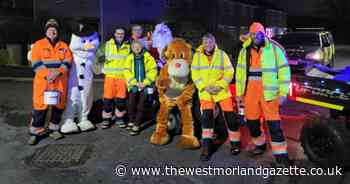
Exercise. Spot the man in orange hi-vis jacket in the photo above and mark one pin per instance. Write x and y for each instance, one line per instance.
(51, 60)
(262, 85)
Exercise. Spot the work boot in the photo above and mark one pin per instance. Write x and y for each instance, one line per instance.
(207, 150)
(235, 149)
(56, 135)
(130, 125)
(135, 130)
(258, 150)
(33, 140)
(120, 124)
(106, 124)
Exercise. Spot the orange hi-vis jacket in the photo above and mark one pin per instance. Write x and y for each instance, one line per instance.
(46, 57)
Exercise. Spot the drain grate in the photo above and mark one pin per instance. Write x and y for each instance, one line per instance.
(61, 155)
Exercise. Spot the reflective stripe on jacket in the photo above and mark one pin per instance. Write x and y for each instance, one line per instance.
(218, 72)
(115, 58)
(274, 67)
(150, 70)
(46, 57)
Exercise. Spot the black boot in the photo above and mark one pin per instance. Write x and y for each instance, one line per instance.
(258, 150)
(235, 149)
(33, 140)
(207, 150)
(106, 123)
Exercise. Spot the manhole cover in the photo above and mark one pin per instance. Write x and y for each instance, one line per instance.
(61, 155)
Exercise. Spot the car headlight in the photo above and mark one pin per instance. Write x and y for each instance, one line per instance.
(317, 55)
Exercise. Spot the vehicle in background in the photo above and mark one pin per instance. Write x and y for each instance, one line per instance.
(326, 138)
(275, 31)
(304, 47)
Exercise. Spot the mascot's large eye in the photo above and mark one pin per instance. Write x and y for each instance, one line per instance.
(83, 41)
(173, 56)
(90, 40)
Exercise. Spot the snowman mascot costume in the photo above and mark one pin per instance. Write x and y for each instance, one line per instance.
(83, 44)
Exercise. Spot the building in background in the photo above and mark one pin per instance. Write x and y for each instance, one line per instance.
(15, 29)
(189, 19)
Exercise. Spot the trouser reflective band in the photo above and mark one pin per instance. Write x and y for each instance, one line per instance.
(259, 141)
(235, 137)
(207, 120)
(233, 127)
(120, 109)
(278, 144)
(54, 127)
(106, 115)
(279, 148)
(119, 113)
(36, 131)
(207, 133)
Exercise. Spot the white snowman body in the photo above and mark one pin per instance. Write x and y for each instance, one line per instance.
(80, 84)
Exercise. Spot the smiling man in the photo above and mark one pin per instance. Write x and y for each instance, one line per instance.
(51, 60)
(212, 73)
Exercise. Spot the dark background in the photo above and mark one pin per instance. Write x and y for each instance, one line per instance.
(22, 21)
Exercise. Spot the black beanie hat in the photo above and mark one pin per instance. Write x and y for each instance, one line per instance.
(51, 23)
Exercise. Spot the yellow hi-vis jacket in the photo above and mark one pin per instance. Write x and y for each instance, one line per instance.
(150, 70)
(115, 59)
(219, 72)
(274, 67)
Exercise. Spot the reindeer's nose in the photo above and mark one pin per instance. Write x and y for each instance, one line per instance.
(178, 65)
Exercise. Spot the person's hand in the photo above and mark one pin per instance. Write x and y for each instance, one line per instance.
(282, 100)
(140, 85)
(209, 89)
(53, 74)
(213, 90)
(216, 90)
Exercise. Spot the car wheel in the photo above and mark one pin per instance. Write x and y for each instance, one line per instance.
(174, 122)
(326, 142)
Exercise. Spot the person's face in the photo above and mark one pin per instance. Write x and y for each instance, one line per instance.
(51, 33)
(208, 44)
(136, 48)
(258, 38)
(119, 35)
(137, 31)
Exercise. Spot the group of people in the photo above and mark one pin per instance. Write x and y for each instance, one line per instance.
(262, 78)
